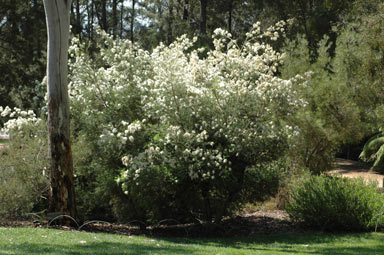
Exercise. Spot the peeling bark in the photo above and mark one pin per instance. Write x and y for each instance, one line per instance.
(62, 195)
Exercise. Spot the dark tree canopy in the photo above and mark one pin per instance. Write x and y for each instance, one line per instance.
(148, 22)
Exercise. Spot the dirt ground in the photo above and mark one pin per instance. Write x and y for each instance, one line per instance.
(355, 169)
(250, 224)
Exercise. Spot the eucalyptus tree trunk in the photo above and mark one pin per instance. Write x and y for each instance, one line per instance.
(104, 22)
(230, 10)
(185, 10)
(62, 195)
(79, 26)
(170, 20)
(93, 9)
(121, 19)
(132, 20)
(203, 16)
(114, 19)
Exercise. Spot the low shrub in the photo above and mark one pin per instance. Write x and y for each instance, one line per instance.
(335, 204)
(22, 165)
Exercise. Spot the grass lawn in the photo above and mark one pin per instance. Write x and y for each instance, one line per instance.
(48, 241)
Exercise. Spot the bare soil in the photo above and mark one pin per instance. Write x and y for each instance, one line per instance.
(355, 169)
(249, 224)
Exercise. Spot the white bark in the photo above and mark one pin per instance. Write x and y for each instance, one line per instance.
(61, 172)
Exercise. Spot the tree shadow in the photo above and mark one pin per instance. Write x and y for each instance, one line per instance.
(96, 248)
(296, 243)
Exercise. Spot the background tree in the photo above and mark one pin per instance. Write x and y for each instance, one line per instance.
(149, 22)
(22, 51)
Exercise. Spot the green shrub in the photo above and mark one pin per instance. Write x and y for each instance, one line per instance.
(333, 203)
(374, 151)
(211, 199)
(331, 117)
(22, 165)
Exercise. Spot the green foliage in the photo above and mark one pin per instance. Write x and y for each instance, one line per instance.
(360, 64)
(344, 93)
(22, 47)
(187, 199)
(331, 117)
(363, 8)
(333, 203)
(23, 172)
(374, 151)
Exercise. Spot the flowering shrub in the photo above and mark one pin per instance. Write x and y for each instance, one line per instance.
(189, 131)
(23, 162)
(15, 120)
(171, 134)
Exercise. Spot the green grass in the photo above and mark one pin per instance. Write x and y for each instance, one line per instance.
(47, 241)
(4, 140)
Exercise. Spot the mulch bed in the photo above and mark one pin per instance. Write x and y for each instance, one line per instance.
(250, 224)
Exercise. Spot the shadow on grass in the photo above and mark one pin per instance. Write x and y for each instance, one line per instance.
(97, 248)
(297, 243)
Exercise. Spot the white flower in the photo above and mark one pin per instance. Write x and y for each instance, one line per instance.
(207, 109)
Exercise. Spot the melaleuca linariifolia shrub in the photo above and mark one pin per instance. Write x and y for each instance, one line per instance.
(180, 196)
(188, 135)
(106, 90)
(335, 204)
(23, 164)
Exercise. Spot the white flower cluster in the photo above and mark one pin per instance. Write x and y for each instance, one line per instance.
(16, 119)
(203, 114)
(120, 80)
(111, 133)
